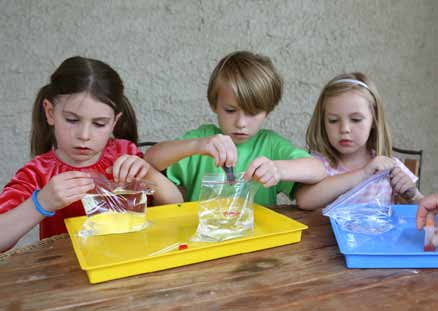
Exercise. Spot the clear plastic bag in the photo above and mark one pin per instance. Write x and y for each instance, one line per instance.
(358, 214)
(113, 208)
(225, 209)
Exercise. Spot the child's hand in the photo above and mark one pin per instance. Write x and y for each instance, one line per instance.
(64, 189)
(402, 184)
(264, 171)
(427, 205)
(378, 164)
(128, 168)
(221, 148)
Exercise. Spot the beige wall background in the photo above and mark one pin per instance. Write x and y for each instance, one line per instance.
(165, 51)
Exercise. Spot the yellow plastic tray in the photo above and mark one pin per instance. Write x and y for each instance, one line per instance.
(114, 256)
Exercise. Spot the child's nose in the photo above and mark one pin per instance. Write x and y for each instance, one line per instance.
(84, 132)
(242, 120)
(345, 127)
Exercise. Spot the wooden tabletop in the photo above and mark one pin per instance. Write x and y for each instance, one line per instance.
(310, 275)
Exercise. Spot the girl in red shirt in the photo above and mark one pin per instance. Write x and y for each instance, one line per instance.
(81, 122)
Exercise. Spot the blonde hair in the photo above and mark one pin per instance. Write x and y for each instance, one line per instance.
(379, 139)
(256, 84)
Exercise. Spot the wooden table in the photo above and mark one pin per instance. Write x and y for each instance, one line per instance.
(310, 275)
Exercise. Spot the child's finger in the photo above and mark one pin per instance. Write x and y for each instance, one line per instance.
(231, 155)
(72, 175)
(116, 167)
(402, 187)
(78, 194)
(264, 179)
(134, 170)
(421, 217)
(396, 179)
(231, 151)
(125, 167)
(263, 171)
(407, 184)
(426, 205)
(430, 219)
(142, 173)
(221, 154)
(395, 171)
(252, 168)
(272, 181)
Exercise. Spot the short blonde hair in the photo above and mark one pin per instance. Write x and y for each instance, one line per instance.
(316, 135)
(255, 82)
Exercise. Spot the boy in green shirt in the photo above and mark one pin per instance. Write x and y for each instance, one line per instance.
(243, 89)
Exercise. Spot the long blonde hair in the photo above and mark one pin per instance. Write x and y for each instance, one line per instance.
(316, 136)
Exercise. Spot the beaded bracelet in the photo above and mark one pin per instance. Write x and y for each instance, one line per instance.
(38, 206)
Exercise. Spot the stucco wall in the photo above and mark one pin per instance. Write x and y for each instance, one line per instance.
(165, 51)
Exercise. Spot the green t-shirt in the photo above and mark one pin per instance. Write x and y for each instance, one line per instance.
(188, 172)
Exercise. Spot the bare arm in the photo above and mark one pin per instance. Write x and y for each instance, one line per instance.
(311, 197)
(220, 147)
(164, 154)
(61, 191)
(166, 192)
(15, 223)
(269, 172)
(305, 170)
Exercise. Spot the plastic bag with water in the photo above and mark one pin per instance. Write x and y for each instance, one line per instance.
(353, 215)
(113, 208)
(225, 209)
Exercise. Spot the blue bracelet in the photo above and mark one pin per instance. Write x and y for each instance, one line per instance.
(38, 206)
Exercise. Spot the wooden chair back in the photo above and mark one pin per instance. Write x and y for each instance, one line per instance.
(413, 159)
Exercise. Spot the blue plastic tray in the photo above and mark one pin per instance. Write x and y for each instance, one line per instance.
(401, 247)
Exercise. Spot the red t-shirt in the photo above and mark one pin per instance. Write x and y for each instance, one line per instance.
(38, 172)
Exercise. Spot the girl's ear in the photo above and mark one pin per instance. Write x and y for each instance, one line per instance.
(50, 111)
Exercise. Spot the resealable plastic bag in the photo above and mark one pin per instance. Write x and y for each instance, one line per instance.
(357, 213)
(225, 209)
(115, 208)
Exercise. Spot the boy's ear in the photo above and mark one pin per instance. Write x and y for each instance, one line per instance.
(50, 111)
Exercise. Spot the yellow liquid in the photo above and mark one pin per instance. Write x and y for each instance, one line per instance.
(225, 219)
(112, 222)
(114, 213)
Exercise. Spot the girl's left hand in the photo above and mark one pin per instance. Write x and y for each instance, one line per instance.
(264, 171)
(402, 184)
(128, 168)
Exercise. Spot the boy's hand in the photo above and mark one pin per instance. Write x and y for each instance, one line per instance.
(427, 205)
(128, 168)
(378, 164)
(264, 171)
(64, 189)
(402, 184)
(221, 148)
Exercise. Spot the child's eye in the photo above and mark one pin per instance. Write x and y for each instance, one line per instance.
(356, 120)
(71, 120)
(331, 121)
(229, 110)
(256, 113)
(99, 124)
